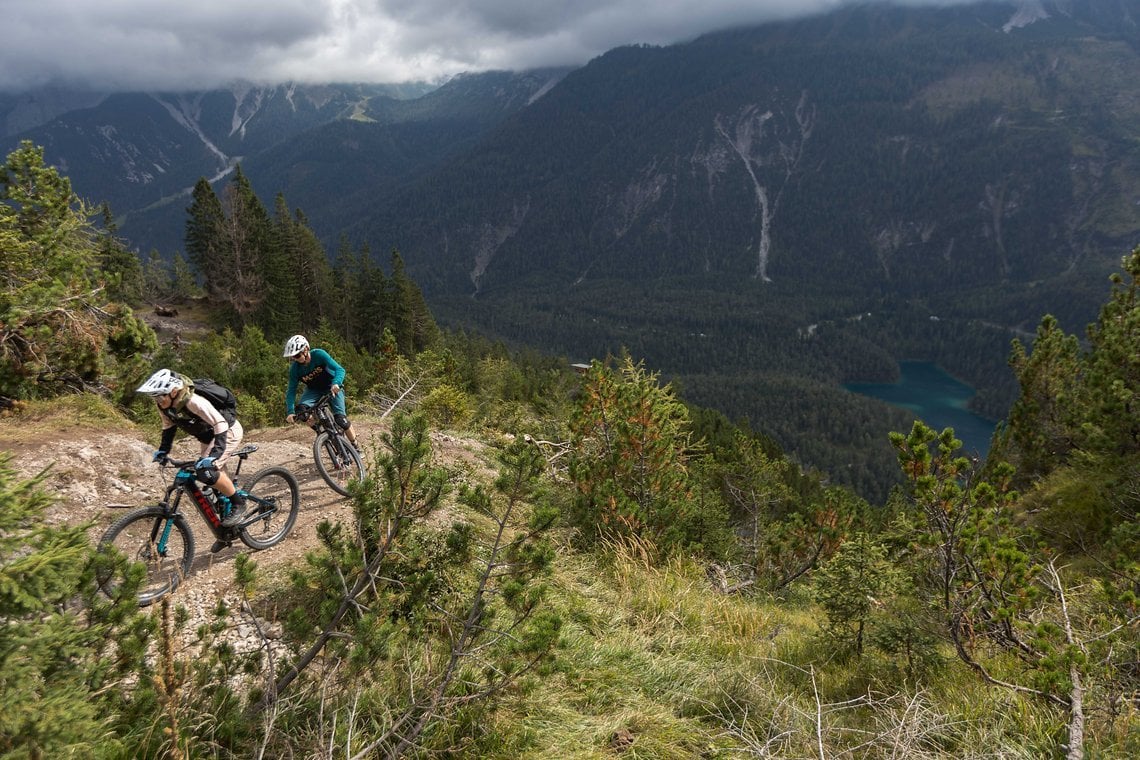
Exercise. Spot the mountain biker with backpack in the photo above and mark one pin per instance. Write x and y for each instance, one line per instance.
(218, 430)
(321, 375)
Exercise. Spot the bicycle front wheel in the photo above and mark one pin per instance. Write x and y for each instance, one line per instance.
(274, 495)
(338, 461)
(162, 544)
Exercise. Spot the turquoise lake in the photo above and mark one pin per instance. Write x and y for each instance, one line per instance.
(937, 399)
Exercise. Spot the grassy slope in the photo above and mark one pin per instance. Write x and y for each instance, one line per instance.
(654, 664)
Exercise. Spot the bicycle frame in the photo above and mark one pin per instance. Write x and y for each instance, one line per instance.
(161, 538)
(337, 459)
(185, 482)
(321, 413)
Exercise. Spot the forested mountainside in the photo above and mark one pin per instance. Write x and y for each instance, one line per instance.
(766, 213)
(908, 150)
(762, 214)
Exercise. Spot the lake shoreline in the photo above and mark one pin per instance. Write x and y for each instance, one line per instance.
(937, 398)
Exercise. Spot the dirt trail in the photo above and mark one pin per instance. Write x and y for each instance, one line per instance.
(96, 476)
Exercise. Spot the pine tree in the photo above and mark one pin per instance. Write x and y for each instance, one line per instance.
(280, 310)
(342, 281)
(313, 275)
(205, 230)
(60, 329)
(58, 660)
(412, 323)
(157, 282)
(999, 590)
(240, 282)
(1041, 429)
(229, 240)
(628, 437)
(850, 587)
(183, 282)
(121, 269)
(1111, 381)
(374, 296)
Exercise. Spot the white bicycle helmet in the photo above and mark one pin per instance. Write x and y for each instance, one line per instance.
(160, 383)
(295, 345)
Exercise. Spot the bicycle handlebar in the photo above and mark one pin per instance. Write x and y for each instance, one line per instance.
(188, 464)
(305, 411)
(182, 464)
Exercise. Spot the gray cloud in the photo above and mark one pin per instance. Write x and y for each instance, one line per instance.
(159, 44)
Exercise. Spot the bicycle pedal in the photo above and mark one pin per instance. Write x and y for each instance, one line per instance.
(218, 546)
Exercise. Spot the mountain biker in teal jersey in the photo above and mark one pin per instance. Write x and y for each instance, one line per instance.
(182, 409)
(321, 375)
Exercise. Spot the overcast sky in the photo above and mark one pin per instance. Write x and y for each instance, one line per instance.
(192, 44)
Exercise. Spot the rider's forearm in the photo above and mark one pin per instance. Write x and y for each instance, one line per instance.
(219, 447)
(167, 438)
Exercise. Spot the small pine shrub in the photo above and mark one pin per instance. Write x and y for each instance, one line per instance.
(447, 406)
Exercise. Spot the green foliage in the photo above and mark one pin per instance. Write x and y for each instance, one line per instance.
(1079, 408)
(61, 664)
(1009, 612)
(412, 322)
(446, 406)
(1086, 406)
(246, 363)
(169, 281)
(628, 461)
(1110, 423)
(365, 302)
(257, 367)
(60, 331)
(1040, 429)
(787, 520)
(438, 622)
(977, 566)
(120, 268)
(862, 594)
(401, 483)
(1070, 508)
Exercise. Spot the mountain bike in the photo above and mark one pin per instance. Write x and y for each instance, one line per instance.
(338, 461)
(159, 536)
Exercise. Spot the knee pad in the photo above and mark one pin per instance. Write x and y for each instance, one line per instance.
(207, 475)
(341, 421)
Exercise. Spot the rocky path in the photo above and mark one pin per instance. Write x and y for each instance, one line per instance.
(96, 477)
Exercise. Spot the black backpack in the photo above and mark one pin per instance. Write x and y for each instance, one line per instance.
(219, 395)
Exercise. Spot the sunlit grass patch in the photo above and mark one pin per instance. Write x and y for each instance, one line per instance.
(655, 662)
(67, 411)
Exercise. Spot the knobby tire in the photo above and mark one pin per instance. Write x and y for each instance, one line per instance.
(338, 468)
(279, 484)
(135, 535)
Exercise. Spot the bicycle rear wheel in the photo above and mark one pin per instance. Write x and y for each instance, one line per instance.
(338, 461)
(143, 538)
(273, 493)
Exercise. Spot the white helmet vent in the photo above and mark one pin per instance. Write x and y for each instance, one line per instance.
(295, 345)
(160, 383)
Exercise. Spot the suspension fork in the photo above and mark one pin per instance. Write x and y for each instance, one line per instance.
(167, 526)
(167, 521)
